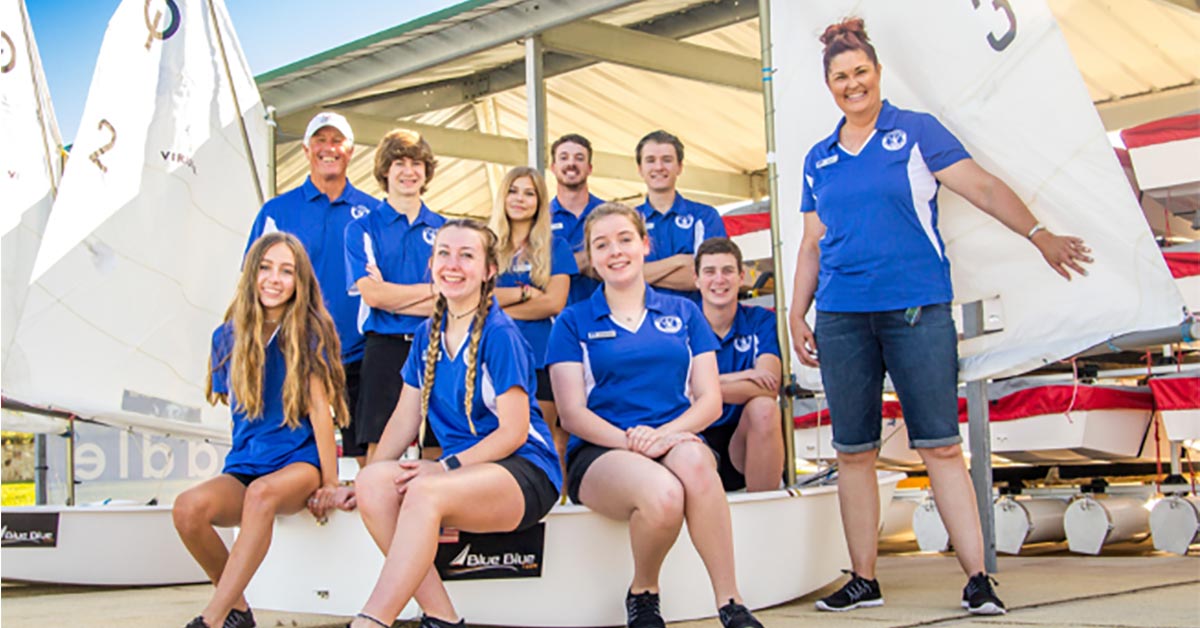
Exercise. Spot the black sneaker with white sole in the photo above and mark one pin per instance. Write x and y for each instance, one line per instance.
(434, 622)
(734, 615)
(641, 611)
(858, 593)
(979, 598)
(240, 619)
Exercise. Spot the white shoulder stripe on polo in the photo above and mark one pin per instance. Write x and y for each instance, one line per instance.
(370, 251)
(924, 188)
(589, 379)
(536, 436)
(364, 311)
(489, 392)
(269, 227)
(699, 236)
(687, 380)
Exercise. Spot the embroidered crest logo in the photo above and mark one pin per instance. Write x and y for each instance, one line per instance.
(895, 140)
(358, 211)
(668, 324)
(428, 235)
(684, 222)
(743, 343)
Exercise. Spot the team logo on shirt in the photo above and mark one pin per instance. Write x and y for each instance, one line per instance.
(668, 324)
(428, 235)
(895, 140)
(684, 222)
(358, 211)
(743, 343)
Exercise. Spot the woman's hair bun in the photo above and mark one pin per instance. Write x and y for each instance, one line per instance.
(851, 26)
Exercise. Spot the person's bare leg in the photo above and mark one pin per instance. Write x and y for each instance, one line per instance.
(283, 492)
(858, 495)
(215, 502)
(550, 413)
(955, 498)
(706, 511)
(760, 432)
(626, 486)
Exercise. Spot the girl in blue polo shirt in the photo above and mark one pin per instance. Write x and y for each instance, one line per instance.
(276, 363)
(470, 376)
(872, 255)
(635, 378)
(535, 272)
(387, 262)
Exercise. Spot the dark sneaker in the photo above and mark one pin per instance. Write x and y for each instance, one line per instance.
(858, 593)
(979, 598)
(641, 610)
(198, 622)
(240, 619)
(734, 615)
(434, 622)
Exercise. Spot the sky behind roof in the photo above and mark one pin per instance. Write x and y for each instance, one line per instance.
(273, 34)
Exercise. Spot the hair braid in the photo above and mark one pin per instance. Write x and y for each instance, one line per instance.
(481, 313)
(433, 353)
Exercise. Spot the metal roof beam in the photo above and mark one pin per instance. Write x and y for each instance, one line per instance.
(460, 91)
(350, 74)
(1134, 110)
(510, 151)
(623, 46)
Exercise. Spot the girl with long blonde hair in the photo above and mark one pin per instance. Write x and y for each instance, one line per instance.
(535, 272)
(276, 361)
(470, 377)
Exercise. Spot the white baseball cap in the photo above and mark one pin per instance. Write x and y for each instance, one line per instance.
(329, 118)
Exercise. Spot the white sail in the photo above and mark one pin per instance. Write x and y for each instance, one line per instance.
(999, 75)
(142, 250)
(29, 160)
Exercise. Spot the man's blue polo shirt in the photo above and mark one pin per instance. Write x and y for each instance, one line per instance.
(321, 226)
(385, 238)
(678, 230)
(752, 334)
(569, 228)
(881, 250)
(636, 376)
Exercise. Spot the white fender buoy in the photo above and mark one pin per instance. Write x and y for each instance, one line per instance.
(1027, 521)
(1175, 523)
(898, 521)
(1092, 523)
(928, 527)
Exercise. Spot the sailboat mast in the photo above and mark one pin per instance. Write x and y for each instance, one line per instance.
(212, 11)
(51, 154)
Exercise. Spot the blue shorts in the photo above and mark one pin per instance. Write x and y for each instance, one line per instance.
(856, 349)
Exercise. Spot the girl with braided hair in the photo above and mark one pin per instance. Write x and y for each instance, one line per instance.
(470, 376)
(276, 361)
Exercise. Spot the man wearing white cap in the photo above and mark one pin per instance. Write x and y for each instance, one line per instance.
(317, 213)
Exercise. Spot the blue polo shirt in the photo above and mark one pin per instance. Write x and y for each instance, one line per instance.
(503, 362)
(753, 333)
(637, 377)
(570, 228)
(537, 333)
(401, 250)
(321, 226)
(881, 250)
(680, 229)
(264, 444)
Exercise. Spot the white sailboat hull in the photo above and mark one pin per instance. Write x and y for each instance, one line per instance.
(787, 544)
(107, 546)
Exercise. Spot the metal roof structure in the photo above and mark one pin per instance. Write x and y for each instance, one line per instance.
(614, 70)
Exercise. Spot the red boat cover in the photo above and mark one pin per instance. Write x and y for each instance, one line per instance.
(1176, 393)
(1057, 399)
(1183, 264)
(746, 223)
(891, 410)
(1162, 131)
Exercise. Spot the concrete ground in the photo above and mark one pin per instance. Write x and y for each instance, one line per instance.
(1043, 589)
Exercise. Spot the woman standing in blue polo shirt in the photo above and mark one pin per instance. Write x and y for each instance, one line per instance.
(387, 261)
(276, 363)
(470, 377)
(872, 255)
(535, 272)
(635, 378)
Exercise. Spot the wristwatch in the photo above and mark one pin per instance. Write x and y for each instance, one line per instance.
(450, 462)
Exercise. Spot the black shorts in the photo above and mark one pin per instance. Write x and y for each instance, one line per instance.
(245, 478)
(718, 439)
(350, 446)
(544, 391)
(380, 384)
(539, 492)
(578, 461)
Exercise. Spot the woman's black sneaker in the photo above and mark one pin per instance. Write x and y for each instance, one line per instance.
(198, 622)
(641, 610)
(858, 593)
(434, 622)
(240, 619)
(734, 615)
(979, 598)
